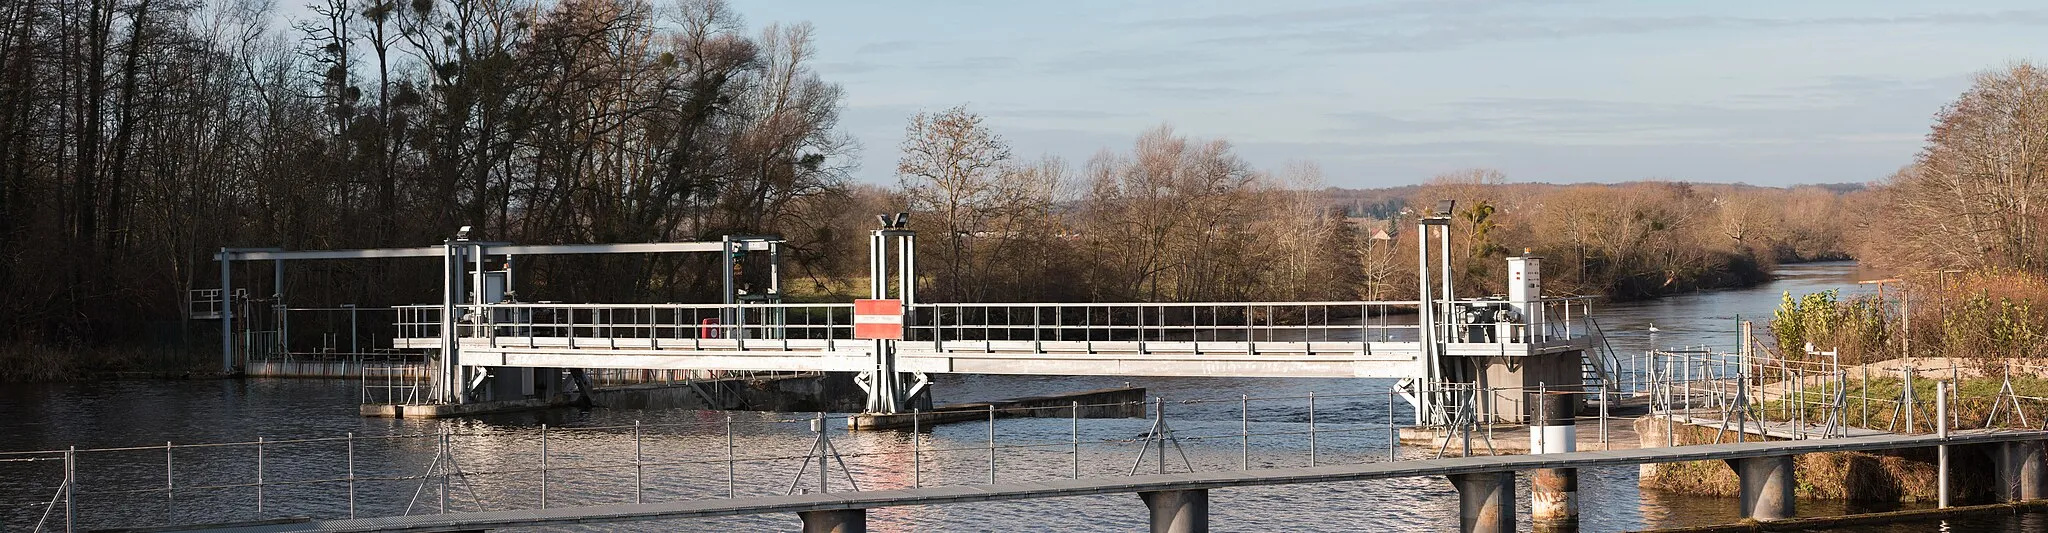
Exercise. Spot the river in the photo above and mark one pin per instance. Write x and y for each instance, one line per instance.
(683, 452)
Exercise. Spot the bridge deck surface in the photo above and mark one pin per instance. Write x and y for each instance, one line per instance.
(1115, 485)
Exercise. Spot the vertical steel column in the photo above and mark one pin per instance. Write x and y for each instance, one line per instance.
(448, 386)
(1424, 325)
(277, 301)
(1941, 431)
(227, 314)
(1486, 502)
(1177, 511)
(1450, 315)
(725, 273)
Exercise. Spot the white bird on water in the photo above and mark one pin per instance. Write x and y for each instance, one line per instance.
(1653, 327)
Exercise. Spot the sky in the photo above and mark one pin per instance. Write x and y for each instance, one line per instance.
(1390, 93)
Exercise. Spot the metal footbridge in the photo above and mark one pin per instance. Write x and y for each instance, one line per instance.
(1261, 339)
(486, 345)
(1485, 483)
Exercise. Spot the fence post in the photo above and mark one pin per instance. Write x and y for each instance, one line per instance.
(916, 454)
(543, 466)
(1311, 432)
(730, 470)
(991, 443)
(70, 488)
(445, 455)
(638, 490)
(351, 475)
(1393, 435)
(259, 477)
(1074, 437)
(170, 499)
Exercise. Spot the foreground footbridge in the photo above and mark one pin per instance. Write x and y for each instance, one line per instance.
(1180, 502)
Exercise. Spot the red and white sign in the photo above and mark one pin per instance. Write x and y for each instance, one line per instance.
(878, 319)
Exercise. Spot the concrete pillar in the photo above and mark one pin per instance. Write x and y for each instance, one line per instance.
(2021, 473)
(835, 521)
(1178, 511)
(1486, 502)
(1767, 484)
(1554, 498)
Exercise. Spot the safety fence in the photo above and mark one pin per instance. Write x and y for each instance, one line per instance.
(720, 455)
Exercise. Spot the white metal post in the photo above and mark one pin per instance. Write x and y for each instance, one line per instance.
(1423, 390)
(227, 314)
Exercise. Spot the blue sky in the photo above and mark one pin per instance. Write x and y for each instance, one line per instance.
(1391, 93)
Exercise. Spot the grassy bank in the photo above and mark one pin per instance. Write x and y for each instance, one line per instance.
(1891, 476)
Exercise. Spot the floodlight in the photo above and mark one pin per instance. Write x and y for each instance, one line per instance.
(884, 219)
(1444, 207)
(462, 234)
(903, 220)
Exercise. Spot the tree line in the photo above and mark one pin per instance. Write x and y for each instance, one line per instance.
(1961, 229)
(1182, 219)
(137, 137)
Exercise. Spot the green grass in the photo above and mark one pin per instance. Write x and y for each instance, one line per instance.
(1971, 405)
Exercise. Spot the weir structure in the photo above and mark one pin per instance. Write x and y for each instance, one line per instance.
(486, 346)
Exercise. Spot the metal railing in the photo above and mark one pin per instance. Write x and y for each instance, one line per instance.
(498, 468)
(1392, 321)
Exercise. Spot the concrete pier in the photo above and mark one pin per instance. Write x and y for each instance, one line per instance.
(2021, 474)
(1486, 502)
(1178, 511)
(1554, 498)
(1767, 484)
(835, 521)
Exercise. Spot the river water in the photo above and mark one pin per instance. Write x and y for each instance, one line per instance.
(683, 454)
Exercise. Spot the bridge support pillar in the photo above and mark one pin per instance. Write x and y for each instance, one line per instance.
(1554, 498)
(1178, 511)
(1767, 484)
(1486, 502)
(835, 521)
(2021, 473)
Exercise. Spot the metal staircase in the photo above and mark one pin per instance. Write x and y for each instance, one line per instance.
(1600, 368)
